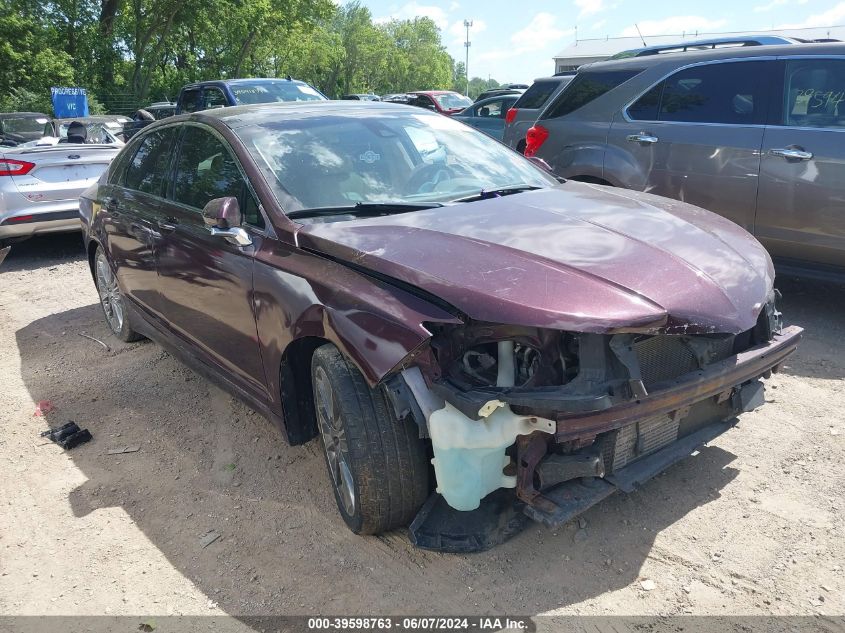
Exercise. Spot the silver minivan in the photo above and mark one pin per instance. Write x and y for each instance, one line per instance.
(754, 134)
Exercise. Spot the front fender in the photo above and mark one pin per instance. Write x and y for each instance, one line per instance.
(298, 295)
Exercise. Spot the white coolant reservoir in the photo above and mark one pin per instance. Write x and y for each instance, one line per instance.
(469, 455)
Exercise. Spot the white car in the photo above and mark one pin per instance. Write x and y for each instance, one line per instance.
(40, 185)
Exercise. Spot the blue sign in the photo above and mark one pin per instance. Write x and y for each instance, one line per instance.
(69, 102)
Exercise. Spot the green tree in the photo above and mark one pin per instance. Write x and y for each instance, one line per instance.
(127, 52)
(30, 61)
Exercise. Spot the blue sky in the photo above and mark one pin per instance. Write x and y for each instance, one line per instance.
(512, 41)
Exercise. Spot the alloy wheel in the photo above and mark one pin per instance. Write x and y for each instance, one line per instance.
(110, 295)
(333, 433)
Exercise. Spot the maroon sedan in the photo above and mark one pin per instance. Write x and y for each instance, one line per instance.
(415, 294)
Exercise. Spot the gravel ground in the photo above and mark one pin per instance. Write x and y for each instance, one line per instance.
(751, 525)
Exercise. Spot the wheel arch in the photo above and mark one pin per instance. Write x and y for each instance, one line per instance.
(297, 389)
(91, 248)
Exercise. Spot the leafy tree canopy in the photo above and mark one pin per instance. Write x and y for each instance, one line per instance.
(128, 53)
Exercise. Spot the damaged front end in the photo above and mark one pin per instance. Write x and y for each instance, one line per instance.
(528, 423)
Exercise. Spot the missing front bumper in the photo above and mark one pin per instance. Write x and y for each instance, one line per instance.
(644, 437)
(502, 515)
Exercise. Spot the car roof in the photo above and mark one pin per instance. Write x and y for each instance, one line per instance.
(738, 42)
(691, 57)
(557, 78)
(241, 80)
(433, 92)
(513, 96)
(93, 118)
(236, 117)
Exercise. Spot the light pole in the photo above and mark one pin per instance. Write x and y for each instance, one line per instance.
(467, 44)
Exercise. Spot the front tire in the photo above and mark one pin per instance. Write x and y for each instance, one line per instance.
(377, 463)
(112, 300)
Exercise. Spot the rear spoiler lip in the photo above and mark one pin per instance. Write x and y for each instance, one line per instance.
(61, 147)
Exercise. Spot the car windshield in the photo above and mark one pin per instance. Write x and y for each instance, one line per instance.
(452, 100)
(24, 125)
(274, 91)
(382, 157)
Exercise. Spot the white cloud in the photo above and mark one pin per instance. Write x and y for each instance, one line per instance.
(775, 3)
(831, 17)
(598, 25)
(675, 25)
(459, 32)
(528, 43)
(413, 10)
(540, 33)
(589, 7)
(768, 7)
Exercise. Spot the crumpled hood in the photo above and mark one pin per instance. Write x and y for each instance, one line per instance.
(576, 257)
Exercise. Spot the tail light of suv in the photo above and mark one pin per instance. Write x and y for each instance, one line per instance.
(510, 115)
(534, 138)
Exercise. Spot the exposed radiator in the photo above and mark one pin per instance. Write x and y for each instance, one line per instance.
(666, 357)
(642, 438)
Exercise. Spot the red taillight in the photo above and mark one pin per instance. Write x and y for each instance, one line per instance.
(510, 115)
(534, 138)
(9, 167)
(19, 218)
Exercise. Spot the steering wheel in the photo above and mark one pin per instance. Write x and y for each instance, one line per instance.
(426, 177)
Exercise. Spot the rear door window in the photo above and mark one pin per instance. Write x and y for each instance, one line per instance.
(491, 110)
(647, 107)
(814, 93)
(214, 98)
(586, 87)
(191, 100)
(148, 170)
(536, 96)
(729, 93)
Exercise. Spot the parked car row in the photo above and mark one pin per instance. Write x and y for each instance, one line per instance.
(21, 127)
(754, 133)
(39, 194)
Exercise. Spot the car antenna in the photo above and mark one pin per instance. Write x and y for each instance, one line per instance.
(636, 26)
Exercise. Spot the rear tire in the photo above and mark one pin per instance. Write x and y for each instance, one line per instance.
(377, 463)
(112, 300)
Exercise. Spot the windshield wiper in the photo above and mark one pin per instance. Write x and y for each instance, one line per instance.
(484, 194)
(364, 208)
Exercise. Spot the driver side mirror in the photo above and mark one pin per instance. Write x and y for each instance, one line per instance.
(223, 218)
(223, 213)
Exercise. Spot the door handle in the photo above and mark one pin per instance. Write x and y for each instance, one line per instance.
(167, 224)
(791, 153)
(642, 137)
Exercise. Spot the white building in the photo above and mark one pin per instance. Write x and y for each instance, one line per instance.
(594, 50)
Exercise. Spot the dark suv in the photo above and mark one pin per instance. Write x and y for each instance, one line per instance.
(219, 94)
(756, 134)
(528, 107)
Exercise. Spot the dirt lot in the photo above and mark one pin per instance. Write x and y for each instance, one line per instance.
(751, 525)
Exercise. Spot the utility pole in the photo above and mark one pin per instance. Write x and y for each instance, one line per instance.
(467, 44)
